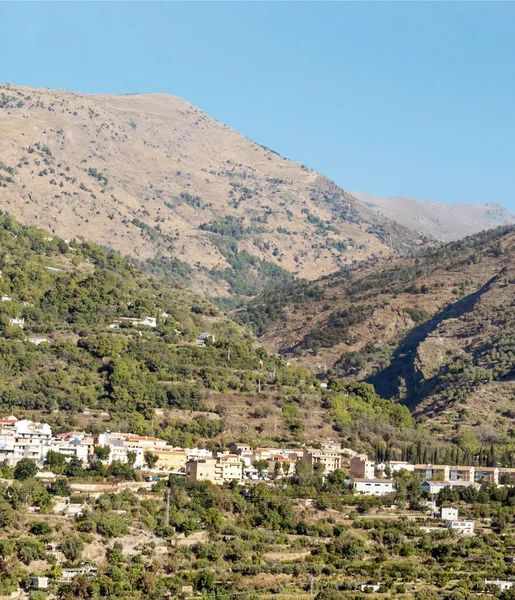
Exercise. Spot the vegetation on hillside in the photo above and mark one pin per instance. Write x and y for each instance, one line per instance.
(433, 331)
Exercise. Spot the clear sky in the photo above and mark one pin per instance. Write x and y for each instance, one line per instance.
(407, 98)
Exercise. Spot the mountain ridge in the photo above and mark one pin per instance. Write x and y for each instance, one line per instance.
(439, 220)
(155, 178)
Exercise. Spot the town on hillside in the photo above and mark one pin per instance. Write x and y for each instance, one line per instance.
(24, 439)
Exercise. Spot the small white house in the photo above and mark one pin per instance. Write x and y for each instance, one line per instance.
(6, 298)
(17, 322)
(88, 570)
(498, 583)
(449, 514)
(462, 527)
(148, 321)
(369, 587)
(39, 583)
(374, 487)
(37, 340)
(204, 337)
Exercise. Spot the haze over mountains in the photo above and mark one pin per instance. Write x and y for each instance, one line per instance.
(437, 220)
(154, 177)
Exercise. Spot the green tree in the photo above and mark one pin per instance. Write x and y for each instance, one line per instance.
(72, 547)
(25, 469)
(102, 453)
(151, 459)
(55, 461)
(204, 581)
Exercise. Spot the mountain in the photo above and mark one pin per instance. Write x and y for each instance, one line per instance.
(437, 220)
(435, 331)
(156, 179)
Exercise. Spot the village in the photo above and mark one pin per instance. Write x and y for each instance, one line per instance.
(24, 439)
(241, 464)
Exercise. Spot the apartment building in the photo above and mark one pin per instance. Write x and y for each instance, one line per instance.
(330, 456)
(431, 472)
(486, 474)
(216, 470)
(169, 459)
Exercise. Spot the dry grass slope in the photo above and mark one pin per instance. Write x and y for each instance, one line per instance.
(141, 174)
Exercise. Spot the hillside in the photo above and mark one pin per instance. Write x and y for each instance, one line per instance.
(437, 220)
(155, 178)
(89, 341)
(434, 331)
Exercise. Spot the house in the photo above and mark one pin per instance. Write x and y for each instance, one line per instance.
(37, 340)
(205, 337)
(39, 583)
(461, 473)
(374, 487)
(74, 510)
(17, 322)
(461, 527)
(507, 475)
(362, 467)
(88, 570)
(369, 587)
(499, 584)
(146, 321)
(239, 449)
(6, 298)
(434, 487)
(449, 514)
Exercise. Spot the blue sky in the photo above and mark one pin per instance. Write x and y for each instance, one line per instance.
(386, 98)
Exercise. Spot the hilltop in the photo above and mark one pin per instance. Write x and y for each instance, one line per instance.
(434, 331)
(155, 178)
(437, 220)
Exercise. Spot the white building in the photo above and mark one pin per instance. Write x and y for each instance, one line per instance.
(148, 321)
(69, 574)
(369, 587)
(500, 584)
(399, 465)
(462, 527)
(375, 487)
(17, 322)
(37, 340)
(39, 583)
(70, 449)
(449, 514)
(204, 337)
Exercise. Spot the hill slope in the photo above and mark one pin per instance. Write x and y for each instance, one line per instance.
(155, 178)
(88, 341)
(434, 331)
(437, 220)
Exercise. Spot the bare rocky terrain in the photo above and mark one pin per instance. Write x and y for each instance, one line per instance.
(155, 178)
